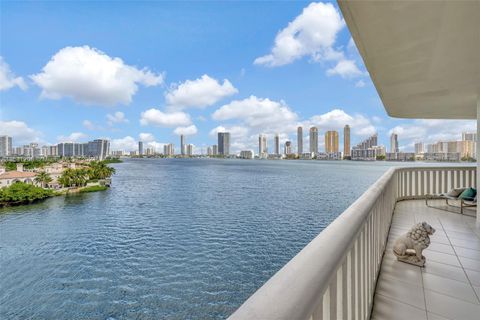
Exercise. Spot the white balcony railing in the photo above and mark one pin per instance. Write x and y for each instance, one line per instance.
(334, 276)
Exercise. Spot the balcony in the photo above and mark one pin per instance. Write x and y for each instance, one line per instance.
(348, 271)
(448, 287)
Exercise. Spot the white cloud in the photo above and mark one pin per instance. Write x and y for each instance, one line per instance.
(255, 116)
(235, 131)
(8, 79)
(20, 132)
(89, 76)
(346, 69)
(164, 119)
(73, 137)
(336, 119)
(240, 137)
(157, 146)
(146, 137)
(312, 33)
(199, 93)
(127, 143)
(377, 119)
(89, 125)
(257, 112)
(186, 131)
(117, 117)
(431, 131)
(360, 84)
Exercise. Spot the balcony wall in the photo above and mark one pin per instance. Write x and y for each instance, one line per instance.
(335, 275)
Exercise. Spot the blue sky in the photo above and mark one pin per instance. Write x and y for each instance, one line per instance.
(130, 70)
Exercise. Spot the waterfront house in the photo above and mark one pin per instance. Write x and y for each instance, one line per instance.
(424, 60)
(55, 170)
(8, 178)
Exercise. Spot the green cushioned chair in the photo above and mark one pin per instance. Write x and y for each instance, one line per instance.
(466, 196)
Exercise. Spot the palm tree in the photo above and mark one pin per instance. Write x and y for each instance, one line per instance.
(66, 179)
(80, 177)
(73, 177)
(43, 179)
(99, 170)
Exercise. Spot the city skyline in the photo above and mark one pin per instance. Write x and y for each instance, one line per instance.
(247, 96)
(464, 147)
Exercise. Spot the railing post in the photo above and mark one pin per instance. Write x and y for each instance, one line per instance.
(353, 271)
(333, 297)
(344, 306)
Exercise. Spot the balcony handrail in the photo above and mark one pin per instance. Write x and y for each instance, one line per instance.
(293, 292)
(334, 276)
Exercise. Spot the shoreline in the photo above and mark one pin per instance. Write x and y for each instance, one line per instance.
(65, 192)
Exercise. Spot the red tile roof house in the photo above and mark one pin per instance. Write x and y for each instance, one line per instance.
(10, 177)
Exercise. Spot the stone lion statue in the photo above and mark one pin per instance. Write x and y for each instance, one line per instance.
(417, 239)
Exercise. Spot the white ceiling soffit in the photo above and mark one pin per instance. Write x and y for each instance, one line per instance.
(423, 56)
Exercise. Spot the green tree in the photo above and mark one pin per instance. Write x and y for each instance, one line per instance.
(74, 177)
(43, 179)
(100, 170)
(20, 192)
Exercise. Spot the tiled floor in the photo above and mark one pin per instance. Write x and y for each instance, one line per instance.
(448, 287)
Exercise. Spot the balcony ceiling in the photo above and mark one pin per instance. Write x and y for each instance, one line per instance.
(423, 57)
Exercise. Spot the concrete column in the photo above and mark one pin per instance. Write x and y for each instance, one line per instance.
(478, 156)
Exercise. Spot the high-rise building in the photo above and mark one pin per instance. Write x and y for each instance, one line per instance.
(469, 147)
(469, 136)
(394, 143)
(367, 149)
(331, 141)
(288, 147)
(189, 149)
(5, 146)
(209, 151)
(70, 149)
(299, 140)
(262, 146)
(98, 148)
(419, 148)
(215, 150)
(182, 145)
(168, 150)
(48, 151)
(276, 142)
(346, 141)
(314, 140)
(224, 143)
(140, 148)
(150, 151)
(247, 154)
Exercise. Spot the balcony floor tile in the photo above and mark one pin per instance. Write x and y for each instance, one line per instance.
(390, 309)
(448, 287)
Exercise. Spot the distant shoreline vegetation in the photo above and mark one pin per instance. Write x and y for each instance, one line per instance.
(11, 165)
(28, 164)
(23, 193)
(93, 177)
(112, 160)
(93, 189)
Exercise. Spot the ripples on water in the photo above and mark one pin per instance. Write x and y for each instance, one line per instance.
(172, 238)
